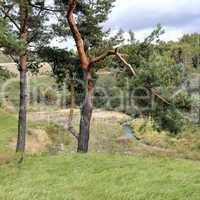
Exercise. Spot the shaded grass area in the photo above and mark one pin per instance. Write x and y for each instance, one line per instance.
(101, 177)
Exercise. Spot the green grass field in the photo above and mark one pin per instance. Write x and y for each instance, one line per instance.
(101, 177)
(96, 176)
(8, 127)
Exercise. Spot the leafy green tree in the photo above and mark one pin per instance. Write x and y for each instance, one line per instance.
(153, 89)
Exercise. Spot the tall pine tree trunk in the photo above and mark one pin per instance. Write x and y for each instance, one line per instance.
(23, 79)
(86, 114)
(22, 105)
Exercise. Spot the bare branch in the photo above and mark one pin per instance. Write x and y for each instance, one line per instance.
(73, 132)
(14, 59)
(43, 8)
(131, 69)
(160, 97)
(10, 18)
(102, 57)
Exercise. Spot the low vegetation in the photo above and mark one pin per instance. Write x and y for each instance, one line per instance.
(102, 177)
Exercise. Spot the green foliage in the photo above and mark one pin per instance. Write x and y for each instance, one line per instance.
(168, 119)
(9, 40)
(6, 74)
(157, 71)
(90, 16)
(50, 97)
(66, 68)
(183, 101)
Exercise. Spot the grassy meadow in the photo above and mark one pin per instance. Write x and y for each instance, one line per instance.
(102, 177)
(115, 169)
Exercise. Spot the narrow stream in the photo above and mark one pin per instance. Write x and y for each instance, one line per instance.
(129, 133)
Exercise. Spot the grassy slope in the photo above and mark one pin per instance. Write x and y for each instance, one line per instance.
(95, 176)
(8, 127)
(101, 177)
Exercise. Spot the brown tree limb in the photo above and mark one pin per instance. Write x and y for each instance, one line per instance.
(159, 96)
(73, 132)
(130, 68)
(102, 57)
(76, 35)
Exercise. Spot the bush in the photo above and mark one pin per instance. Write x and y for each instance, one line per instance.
(50, 97)
(169, 119)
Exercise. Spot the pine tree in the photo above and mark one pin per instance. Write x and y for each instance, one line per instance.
(22, 27)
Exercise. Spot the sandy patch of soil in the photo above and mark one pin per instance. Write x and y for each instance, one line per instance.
(37, 141)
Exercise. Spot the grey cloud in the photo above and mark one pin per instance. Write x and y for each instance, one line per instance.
(141, 16)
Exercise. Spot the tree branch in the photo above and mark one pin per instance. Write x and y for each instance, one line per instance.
(73, 132)
(76, 35)
(14, 59)
(71, 112)
(102, 57)
(10, 18)
(160, 97)
(35, 32)
(43, 8)
(130, 68)
(118, 55)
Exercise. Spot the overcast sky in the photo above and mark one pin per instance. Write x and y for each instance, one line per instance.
(176, 16)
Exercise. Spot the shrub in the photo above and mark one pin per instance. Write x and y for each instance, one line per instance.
(169, 119)
(50, 97)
